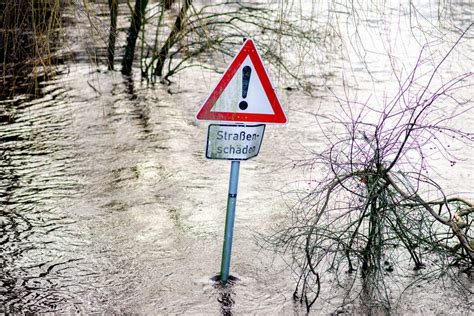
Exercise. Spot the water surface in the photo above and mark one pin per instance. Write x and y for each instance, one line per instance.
(109, 205)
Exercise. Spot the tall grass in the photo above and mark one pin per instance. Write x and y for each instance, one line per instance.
(28, 31)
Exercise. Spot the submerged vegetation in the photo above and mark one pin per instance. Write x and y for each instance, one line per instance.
(200, 34)
(162, 37)
(375, 212)
(29, 30)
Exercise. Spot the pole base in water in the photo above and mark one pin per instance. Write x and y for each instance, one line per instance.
(230, 278)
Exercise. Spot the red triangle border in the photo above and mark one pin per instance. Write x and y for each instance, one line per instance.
(278, 117)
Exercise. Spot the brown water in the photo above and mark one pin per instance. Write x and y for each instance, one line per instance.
(109, 205)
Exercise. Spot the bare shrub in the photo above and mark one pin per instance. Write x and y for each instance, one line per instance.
(374, 208)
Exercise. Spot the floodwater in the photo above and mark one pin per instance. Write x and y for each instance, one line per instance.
(107, 203)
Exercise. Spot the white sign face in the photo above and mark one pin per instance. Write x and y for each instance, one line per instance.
(234, 142)
(244, 93)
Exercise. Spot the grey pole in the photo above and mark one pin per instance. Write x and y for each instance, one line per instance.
(229, 221)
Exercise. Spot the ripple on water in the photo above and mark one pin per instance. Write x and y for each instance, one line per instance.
(35, 183)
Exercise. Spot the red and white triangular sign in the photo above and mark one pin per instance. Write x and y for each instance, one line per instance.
(244, 93)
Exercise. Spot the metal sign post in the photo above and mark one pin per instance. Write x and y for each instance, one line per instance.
(229, 220)
(232, 142)
(243, 95)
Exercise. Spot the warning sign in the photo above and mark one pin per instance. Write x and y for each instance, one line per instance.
(244, 93)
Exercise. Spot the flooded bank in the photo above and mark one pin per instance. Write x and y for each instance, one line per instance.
(109, 205)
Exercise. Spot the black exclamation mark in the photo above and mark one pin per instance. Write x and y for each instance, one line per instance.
(246, 71)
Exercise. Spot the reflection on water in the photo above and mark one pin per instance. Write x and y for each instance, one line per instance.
(226, 300)
(225, 294)
(108, 205)
(34, 177)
